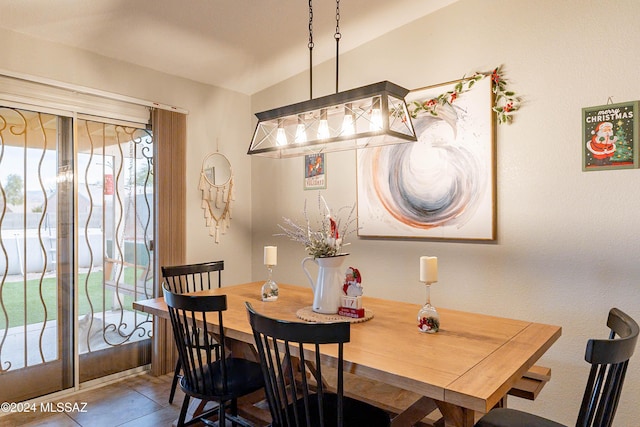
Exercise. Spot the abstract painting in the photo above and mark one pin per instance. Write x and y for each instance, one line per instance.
(443, 185)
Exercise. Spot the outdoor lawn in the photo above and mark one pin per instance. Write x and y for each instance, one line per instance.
(12, 298)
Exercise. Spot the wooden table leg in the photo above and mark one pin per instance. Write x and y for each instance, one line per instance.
(456, 416)
(242, 349)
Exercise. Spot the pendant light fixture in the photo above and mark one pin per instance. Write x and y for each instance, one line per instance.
(368, 116)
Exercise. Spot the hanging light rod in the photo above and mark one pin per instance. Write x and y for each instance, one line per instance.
(368, 116)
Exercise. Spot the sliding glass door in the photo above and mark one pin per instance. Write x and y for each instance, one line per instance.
(76, 248)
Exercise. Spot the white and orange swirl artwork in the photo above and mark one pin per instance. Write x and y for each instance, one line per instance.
(443, 185)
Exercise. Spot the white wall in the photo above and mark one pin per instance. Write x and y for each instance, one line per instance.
(567, 247)
(214, 115)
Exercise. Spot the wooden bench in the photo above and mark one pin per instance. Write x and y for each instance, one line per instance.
(531, 383)
(399, 401)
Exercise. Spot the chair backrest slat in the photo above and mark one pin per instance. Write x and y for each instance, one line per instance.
(287, 378)
(271, 389)
(340, 381)
(609, 359)
(320, 385)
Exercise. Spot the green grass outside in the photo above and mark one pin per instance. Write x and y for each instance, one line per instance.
(12, 297)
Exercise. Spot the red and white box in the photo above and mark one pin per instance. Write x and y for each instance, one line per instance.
(356, 313)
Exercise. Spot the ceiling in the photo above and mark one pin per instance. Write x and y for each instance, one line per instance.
(242, 45)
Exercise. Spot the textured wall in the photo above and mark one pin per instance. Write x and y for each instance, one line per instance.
(567, 247)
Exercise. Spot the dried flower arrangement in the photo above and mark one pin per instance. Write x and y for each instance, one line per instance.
(327, 238)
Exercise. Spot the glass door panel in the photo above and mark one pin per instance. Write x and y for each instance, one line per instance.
(115, 242)
(33, 309)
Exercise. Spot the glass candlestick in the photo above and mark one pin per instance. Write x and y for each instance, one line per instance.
(270, 288)
(428, 317)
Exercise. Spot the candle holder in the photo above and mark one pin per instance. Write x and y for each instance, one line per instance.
(428, 317)
(270, 288)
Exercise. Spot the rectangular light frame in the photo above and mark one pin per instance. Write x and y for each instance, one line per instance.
(278, 133)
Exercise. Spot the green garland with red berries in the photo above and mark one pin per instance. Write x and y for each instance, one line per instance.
(505, 105)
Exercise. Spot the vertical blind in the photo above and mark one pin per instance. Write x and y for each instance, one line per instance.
(169, 130)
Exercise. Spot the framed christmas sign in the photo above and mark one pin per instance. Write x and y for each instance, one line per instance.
(610, 136)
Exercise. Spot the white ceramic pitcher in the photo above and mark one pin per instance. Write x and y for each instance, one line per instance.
(327, 289)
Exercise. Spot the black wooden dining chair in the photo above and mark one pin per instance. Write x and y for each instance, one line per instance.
(191, 278)
(295, 386)
(223, 380)
(609, 359)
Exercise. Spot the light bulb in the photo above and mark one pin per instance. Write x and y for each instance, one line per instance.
(301, 132)
(281, 136)
(323, 126)
(348, 125)
(376, 116)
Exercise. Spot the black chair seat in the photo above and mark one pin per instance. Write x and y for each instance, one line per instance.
(243, 377)
(356, 413)
(503, 417)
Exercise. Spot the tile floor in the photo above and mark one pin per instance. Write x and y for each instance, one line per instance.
(142, 401)
(139, 401)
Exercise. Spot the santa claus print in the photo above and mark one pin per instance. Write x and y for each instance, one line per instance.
(602, 144)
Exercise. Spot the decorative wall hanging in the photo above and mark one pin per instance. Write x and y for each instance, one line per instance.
(442, 186)
(609, 136)
(315, 175)
(216, 183)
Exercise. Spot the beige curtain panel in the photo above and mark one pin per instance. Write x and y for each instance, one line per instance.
(169, 130)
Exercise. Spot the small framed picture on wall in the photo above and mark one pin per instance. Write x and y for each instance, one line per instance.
(315, 176)
(610, 136)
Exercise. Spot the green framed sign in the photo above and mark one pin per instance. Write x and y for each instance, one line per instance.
(610, 136)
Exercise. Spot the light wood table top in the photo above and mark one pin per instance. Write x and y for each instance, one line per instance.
(469, 365)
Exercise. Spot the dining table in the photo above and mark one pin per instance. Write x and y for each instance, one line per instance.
(465, 369)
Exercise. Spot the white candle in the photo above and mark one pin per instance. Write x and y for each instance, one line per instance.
(270, 255)
(428, 269)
